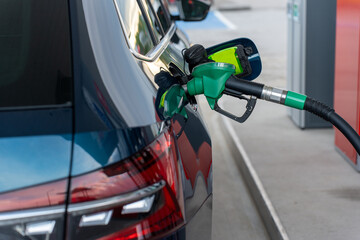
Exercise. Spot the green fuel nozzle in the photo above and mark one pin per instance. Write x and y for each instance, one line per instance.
(209, 79)
(215, 79)
(173, 102)
(222, 73)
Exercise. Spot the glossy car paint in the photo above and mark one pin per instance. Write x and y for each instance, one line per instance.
(109, 76)
(35, 148)
(36, 118)
(114, 116)
(25, 160)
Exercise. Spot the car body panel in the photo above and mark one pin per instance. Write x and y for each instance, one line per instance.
(35, 147)
(114, 115)
(41, 159)
(94, 150)
(119, 74)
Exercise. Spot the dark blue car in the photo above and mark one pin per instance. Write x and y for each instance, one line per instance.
(85, 152)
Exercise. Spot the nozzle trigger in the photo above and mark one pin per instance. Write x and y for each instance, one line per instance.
(251, 102)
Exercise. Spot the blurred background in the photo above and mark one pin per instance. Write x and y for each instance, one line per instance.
(308, 172)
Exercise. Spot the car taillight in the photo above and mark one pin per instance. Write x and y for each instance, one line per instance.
(35, 212)
(137, 198)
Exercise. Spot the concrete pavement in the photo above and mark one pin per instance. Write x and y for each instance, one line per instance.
(234, 213)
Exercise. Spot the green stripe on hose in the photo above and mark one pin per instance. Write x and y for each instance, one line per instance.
(295, 100)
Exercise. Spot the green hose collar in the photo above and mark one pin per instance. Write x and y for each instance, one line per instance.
(295, 100)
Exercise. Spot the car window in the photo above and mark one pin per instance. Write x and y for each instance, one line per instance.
(163, 15)
(136, 28)
(35, 57)
(153, 21)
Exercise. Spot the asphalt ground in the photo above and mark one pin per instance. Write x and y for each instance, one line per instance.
(314, 191)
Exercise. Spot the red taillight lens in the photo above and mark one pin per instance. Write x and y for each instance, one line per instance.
(167, 218)
(45, 195)
(154, 164)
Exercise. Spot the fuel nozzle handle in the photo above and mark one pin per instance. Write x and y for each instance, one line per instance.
(235, 85)
(215, 79)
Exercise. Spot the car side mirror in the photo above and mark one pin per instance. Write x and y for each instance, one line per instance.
(194, 10)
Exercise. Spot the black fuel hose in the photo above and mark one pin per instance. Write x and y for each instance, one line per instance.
(329, 114)
(244, 86)
(295, 100)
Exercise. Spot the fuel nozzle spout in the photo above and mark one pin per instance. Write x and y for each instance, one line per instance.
(209, 79)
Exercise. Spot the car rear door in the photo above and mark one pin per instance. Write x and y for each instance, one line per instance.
(120, 48)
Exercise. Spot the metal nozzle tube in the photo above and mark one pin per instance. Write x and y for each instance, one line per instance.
(275, 95)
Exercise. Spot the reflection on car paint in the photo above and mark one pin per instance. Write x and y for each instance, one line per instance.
(93, 150)
(135, 26)
(45, 195)
(116, 81)
(123, 79)
(158, 160)
(31, 160)
(194, 147)
(191, 148)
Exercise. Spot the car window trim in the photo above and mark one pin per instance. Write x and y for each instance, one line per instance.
(13, 217)
(101, 204)
(37, 107)
(157, 50)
